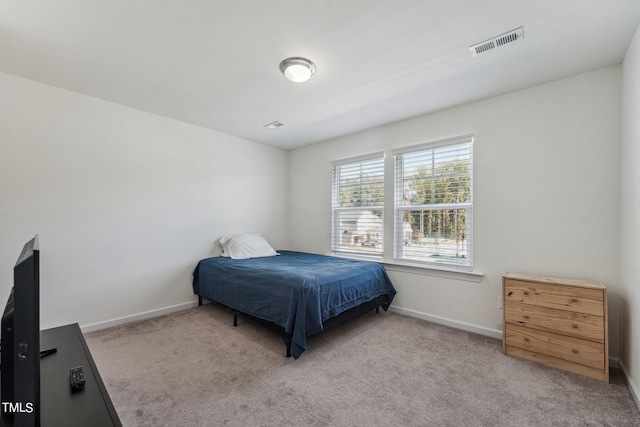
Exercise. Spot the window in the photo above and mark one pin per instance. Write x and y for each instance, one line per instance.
(433, 203)
(357, 206)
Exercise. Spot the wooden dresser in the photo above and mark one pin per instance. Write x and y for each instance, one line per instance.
(559, 322)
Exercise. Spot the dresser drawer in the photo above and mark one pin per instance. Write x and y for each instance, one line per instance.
(599, 374)
(581, 300)
(575, 350)
(578, 325)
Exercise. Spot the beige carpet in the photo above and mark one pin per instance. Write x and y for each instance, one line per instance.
(193, 368)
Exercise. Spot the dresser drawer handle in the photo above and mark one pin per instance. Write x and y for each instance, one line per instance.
(574, 300)
(575, 351)
(574, 326)
(526, 339)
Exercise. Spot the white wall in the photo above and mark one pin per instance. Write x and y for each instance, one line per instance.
(630, 214)
(546, 191)
(125, 202)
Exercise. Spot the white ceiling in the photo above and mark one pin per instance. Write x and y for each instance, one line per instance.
(215, 63)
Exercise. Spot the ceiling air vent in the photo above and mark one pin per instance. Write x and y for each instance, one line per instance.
(498, 41)
(274, 125)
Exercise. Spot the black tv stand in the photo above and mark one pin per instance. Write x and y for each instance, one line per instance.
(59, 405)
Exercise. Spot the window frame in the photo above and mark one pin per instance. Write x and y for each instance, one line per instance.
(399, 207)
(336, 209)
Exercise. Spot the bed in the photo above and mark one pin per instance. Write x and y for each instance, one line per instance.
(296, 293)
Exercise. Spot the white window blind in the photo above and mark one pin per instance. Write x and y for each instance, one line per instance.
(357, 205)
(434, 203)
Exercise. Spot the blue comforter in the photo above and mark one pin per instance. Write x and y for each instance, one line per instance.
(295, 290)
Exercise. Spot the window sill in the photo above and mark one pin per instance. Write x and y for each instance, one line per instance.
(447, 273)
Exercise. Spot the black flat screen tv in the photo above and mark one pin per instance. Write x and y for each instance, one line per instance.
(20, 342)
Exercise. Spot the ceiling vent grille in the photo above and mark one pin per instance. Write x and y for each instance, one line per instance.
(498, 41)
(274, 125)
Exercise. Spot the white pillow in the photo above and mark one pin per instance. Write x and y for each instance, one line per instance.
(244, 246)
(224, 241)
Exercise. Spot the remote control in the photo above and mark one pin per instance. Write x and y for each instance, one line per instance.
(76, 378)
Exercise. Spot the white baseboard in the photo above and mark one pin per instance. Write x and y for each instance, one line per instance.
(138, 316)
(494, 333)
(633, 389)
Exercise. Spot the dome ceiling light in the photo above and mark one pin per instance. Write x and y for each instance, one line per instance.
(297, 69)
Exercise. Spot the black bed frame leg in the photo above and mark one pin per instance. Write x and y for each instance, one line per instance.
(287, 342)
(199, 300)
(378, 309)
(235, 318)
